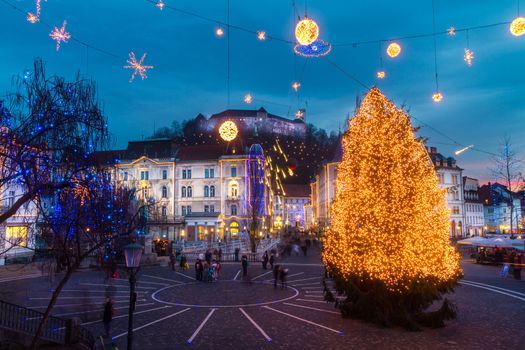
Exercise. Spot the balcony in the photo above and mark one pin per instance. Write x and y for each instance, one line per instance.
(233, 198)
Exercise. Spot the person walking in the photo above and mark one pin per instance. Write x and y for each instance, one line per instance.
(276, 269)
(198, 270)
(220, 254)
(265, 260)
(237, 250)
(107, 317)
(272, 260)
(173, 261)
(244, 264)
(282, 276)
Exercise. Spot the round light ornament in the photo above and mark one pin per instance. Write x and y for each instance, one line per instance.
(437, 97)
(393, 50)
(228, 131)
(517, 27)
(306, 31)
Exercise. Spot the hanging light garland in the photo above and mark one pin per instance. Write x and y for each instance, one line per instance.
(393, 50)
(248, 98)
(437, 97)
(306, 31)
(296, 85)
(381, 74)
(517, 27)
(451, 31)
(34, 17)
(261, 35)
(60, 35)
(219, 32)
(137, 66)
(468, 57)
(160, 4)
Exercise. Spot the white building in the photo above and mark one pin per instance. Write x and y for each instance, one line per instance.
(474, 217)
(322, 194)
(293, 206)
(450, 177)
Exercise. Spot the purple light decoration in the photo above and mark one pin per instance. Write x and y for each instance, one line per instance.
(255, 167)
(316, 49)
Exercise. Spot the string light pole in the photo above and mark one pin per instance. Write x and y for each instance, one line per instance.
(132, 253)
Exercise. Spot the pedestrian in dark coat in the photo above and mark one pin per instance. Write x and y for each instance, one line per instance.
(272, 260)
(276, 269)
(244, 263)
(237, 250)
(265, 260)
(107, 317)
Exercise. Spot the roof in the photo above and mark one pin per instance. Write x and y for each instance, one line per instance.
(152, 148)
(441, 161)
(493, 194)
(203, 152)
(297, 190)
(248, 113)
(108, 157)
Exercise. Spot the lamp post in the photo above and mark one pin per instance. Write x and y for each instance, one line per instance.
(133, 253)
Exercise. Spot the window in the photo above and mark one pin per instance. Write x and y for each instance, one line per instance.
(189, 191)
(206, 208)
(212, 208)
(234, 209)
(455, 209)
(11, 198)
(183, 173)
(164, 192)
(454, 179)
(233, 171)
(206, 173)
(188, 208)
(234, 190)
(164, 174)
(206, 191)
(212, 191)
(16, 235)
(441, 178)
(125, 176)
(183, 191)
(163, 211)
(212, 173)
(188, 173)
(183, 210)
(144, 175)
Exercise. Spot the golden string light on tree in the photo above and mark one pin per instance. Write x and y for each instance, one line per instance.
(306, 31)
(517, 27)
(228, 131)
(393, 50)
(388, 246)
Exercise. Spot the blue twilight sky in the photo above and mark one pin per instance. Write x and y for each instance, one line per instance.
(481, 104)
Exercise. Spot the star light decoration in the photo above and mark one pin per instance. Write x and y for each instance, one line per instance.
(138, 66)
(451, 31)
(468, 56)
(316, 49)
(437, 97)
(299, 114)
(517, 27)
(261, 35)
(381, 74)
(33, 18)
(60, 34)
(296, 85)
(248, 98)
(393, 50)
(228, 131)
(160, 4)
(219, 32)
(306, 31)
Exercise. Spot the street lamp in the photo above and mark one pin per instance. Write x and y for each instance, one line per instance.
(133, 253)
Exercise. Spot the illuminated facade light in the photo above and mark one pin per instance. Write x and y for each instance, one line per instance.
(517, 27)
(60, 35)
(393, 50)
(261, 35)
(306, 31)
(437, 97)
(468, 56)
(137, 66)
(228, 131)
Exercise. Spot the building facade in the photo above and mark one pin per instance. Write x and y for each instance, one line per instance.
(322, 194)
(293, 208)
(498, 203)
(474, 215)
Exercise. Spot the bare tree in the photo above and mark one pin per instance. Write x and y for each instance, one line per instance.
(507, 169)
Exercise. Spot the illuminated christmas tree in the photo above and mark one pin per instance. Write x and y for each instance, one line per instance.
(388, 247)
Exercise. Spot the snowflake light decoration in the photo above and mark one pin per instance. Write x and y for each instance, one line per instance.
(299, 114)
(228, 131)
(138, 66)
(316, 49)
(32, 17)
(60, 34)
(381, 74)
(261, 35)
(160, 4)
(248, 98)
(437, 97)
(468, 57)
(451, 31)
(296, 85)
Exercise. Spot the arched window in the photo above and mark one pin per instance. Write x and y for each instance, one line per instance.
(234, 209)
(189, 191)
(212, 191)
(234, 190)
(164, 192)
(206, 191)
(234, 229)
(183, 191)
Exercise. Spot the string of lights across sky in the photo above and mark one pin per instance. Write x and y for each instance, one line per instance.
(307, 44)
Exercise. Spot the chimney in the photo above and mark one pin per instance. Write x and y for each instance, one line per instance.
(453, 163)
(433, 150)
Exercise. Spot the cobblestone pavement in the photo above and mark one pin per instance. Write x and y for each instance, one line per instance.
(175, 311)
